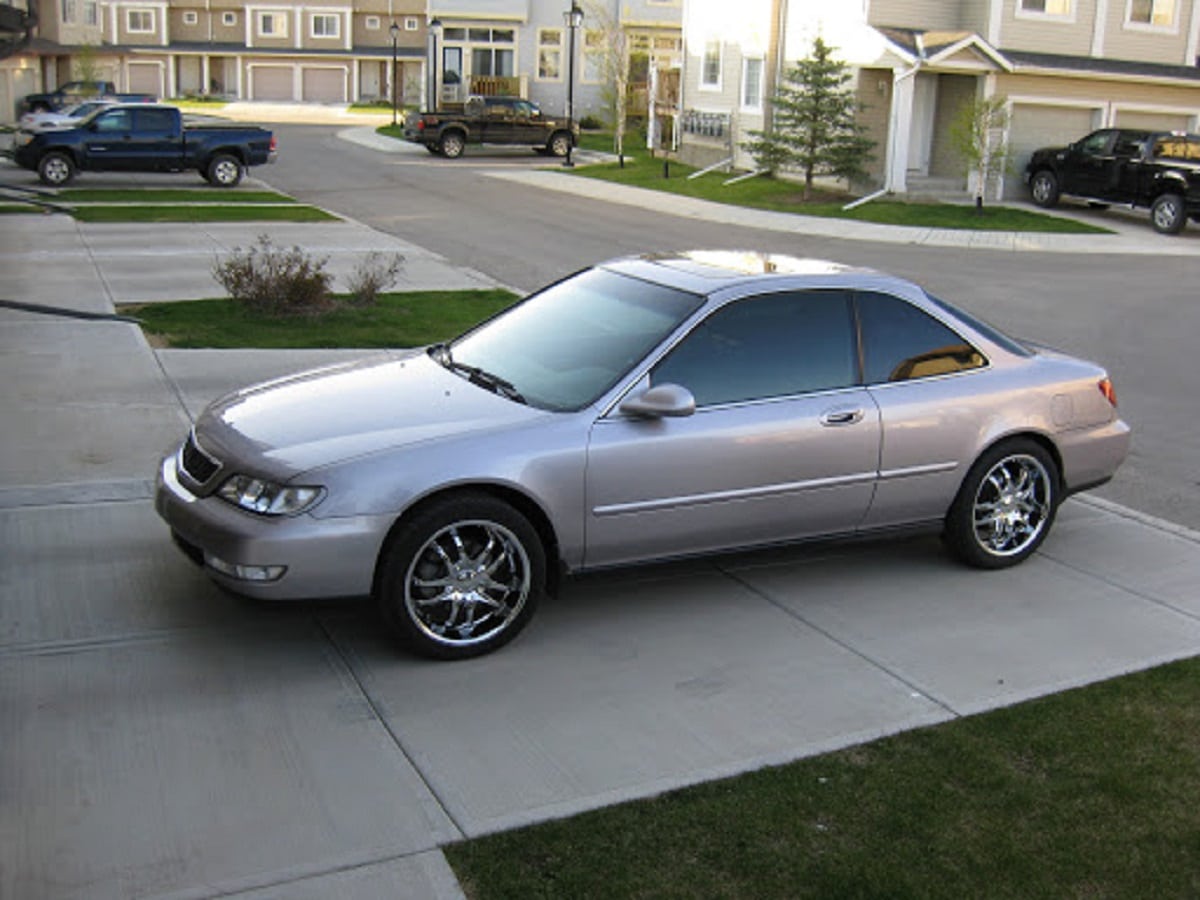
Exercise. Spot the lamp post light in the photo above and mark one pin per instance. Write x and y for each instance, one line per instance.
(394, 31)
(435, 29)
(573, 18)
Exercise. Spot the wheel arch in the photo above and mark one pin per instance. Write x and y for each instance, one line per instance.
(238, 153)
(518, 500)
(1037, 437)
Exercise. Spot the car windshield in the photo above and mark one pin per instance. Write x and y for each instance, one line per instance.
(564, 347)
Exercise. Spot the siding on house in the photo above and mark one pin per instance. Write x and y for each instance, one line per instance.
(933, 15)
(1070, 35)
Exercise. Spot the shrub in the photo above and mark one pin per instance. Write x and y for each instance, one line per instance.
(274, 281)
(373, 275)
(590, 123)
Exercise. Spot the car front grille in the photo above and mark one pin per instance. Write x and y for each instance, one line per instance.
(195, 463)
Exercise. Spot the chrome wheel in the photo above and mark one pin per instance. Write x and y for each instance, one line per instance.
(56, 170)
(452, 145)
(1167, 214)
(225, 171)
(469, 582)
(1012, 506)
(1005, 506)
(560, 144)
(1044, 188)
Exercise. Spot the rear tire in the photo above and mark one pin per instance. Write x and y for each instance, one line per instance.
(1167, 214)
(1043, 187)
(1005, 506)
(224, 171)
(461, 577)
(56, 169)
(452, 145)
(559, 144)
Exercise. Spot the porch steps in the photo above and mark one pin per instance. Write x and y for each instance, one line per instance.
(935, 187)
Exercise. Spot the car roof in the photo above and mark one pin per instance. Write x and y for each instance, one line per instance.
(706, 271)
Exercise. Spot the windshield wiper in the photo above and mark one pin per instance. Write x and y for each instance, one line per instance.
(476, 375)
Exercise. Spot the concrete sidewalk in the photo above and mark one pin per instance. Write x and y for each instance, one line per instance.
(162, 738)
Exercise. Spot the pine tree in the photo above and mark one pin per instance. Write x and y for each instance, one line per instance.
(814, 129)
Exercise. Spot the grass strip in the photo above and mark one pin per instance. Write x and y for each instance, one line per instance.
(785, 196)
(170, 195)
(1089, 793)
(409, 319)
(201, 213)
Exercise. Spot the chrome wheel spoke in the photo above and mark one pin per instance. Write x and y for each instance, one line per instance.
(1012, 505)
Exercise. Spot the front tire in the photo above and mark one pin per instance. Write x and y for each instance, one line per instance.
(1005, 506)
(462, 577)
(1168, 214)
(559, 144)
(1044, 188)
(224, 171)
(56, 169)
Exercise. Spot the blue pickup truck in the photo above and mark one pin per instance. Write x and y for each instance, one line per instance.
(144, 138)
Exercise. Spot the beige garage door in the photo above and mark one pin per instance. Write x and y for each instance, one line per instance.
(145, 78)
(324, 85)
(271, 83)
(1152, 121)
(1035, 126)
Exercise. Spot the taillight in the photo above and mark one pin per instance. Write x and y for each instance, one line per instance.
(274, 143)
(1107, 389)
(420, 124)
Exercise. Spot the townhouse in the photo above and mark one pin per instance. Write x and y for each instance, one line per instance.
(338, 51)
(1065, 66)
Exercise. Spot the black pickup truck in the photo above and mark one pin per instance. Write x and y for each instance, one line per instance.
(1155, 169)
(77, 91)
(489, 120)
(144, 138)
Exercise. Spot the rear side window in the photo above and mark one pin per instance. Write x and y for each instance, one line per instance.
(902, 342)
(155, 119)
(773, 345)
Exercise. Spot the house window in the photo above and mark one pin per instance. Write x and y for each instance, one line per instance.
(411, 23)
(325, 25)
(710, 69)
(372, 23)
(549, 58)
(272, 24)
(752, 83)
(1155, 13)
(68, 10)
(229, 19)
(91, 12)
(594, 57)
(1046, 7)
(491, 50)
(190, 17)
(139, 21)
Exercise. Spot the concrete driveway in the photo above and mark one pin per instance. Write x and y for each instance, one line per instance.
(161, 738)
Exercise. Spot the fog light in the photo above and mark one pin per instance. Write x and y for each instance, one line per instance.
(244, 573)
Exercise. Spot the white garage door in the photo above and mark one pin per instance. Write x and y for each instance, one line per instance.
(1152, 121)
(1035, 126)
(271, 83)
(145, 78)
(324, 85)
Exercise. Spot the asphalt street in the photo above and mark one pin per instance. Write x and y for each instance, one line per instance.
(164, 739)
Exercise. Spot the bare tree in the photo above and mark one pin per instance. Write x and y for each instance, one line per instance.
(609, 46)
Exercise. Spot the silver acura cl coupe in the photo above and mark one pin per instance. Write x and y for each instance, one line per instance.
(645, 408)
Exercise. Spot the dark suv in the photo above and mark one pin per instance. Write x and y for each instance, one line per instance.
(1159, 170)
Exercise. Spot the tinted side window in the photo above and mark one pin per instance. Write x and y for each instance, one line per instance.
(773, 345)
(901, 342)
(114, 120)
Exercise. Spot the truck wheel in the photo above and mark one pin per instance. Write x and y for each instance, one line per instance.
(559, 144)
(1044, 188)
(1167, 214)
(224, 170)
(56, 169)
(452, 145)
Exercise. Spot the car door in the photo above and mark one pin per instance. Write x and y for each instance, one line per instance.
(154, 141)
(498, 122)
(1090, 165)
(526, 128)
(108, 141)
(783, 443)
(928, 382)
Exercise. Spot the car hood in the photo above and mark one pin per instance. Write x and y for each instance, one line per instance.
(313, 419)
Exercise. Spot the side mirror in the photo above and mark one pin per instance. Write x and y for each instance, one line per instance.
(661, 401)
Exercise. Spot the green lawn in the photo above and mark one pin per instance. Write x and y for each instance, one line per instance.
(786, 196)
(1087, 794)
(399, 320)
(202, 213)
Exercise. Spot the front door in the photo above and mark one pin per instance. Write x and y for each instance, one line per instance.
(920, 135)
(109, 141)
(783, 443)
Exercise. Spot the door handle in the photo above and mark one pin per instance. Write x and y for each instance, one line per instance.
(834, 417)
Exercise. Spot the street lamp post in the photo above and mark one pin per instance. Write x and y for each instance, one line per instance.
(573, 18)
(435, 29)
(394, 31)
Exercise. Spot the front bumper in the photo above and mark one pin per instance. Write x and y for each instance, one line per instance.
(319, 557)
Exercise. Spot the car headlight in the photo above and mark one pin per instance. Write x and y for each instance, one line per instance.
(267, 498)
(21, 138)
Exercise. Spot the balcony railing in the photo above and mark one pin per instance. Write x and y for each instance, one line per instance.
(704, 124)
